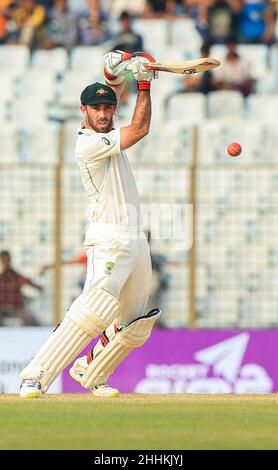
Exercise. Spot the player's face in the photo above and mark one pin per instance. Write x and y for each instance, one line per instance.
(100, 117)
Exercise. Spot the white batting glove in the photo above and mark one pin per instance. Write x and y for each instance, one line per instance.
(115, 66)
(139, 72)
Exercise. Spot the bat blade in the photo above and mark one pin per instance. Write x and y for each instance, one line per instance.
(186, 67)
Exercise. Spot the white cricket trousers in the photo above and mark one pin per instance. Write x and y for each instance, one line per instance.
(120, 262)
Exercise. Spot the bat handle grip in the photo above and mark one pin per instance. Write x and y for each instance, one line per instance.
(133, 67)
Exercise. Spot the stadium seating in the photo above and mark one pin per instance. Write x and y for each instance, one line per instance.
(185, 36)
(14, 59)
(189, 108)
(38, 143)
(225, 103)
(169, 52)
(257, 56)
(263, 107)
(54, 61)
(88, 60)
(155, 32)
(37, 111)
(9, 142)
(273, 63)
(38, 87)
(268, 82)
(7, 86)
(3, 114)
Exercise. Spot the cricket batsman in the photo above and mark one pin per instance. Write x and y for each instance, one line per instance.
(112, 304)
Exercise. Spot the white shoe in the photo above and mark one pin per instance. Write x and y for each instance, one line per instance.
(103, 390)
(30, 389)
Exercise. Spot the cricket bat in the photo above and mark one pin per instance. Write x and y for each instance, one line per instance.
(187, 67)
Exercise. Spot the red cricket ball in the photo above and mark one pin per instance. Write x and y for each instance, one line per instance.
(234, 149)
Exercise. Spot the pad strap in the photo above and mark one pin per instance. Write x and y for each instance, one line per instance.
(127, 339)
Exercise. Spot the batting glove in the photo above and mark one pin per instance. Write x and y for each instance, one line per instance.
(140, 73)
(115, 66)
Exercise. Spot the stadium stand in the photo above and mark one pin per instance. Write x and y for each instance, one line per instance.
(53, 61)
(14, 59)
(235, 199)
(225, 103)
(191, 107)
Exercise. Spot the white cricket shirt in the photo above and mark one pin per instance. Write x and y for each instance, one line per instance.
(108, 180)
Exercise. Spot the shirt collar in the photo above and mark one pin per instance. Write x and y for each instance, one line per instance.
(86, 131)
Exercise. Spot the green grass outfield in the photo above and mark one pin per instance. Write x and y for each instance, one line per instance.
(140, 422)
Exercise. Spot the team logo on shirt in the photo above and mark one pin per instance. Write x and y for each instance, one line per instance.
(109, 267)
(101, 92)
(106, 141)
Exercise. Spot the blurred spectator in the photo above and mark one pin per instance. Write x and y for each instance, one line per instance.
(256, 22)
(234, 73)
(3, 29)
(135, 9)
(47, 4)
(28, 18)
(77, 6)
(6, 4)
(6, 25)
(4, 32)
(11, 297)
(61, 28)
(127, 40)
(217, 19)
(189, 8)
(159, 8)
(93, 24)
(276, 20)
(79, 260)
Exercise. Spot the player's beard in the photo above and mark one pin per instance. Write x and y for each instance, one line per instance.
(101, 125)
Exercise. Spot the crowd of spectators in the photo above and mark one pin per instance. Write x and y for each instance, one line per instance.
(51, 23)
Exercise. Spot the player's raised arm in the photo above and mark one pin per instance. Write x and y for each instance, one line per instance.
(117, 65)
(141, 120)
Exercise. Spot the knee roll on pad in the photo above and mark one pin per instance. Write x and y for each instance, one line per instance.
(94, 310)
(130, 337)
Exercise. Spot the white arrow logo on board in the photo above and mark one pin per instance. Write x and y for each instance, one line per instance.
(225, 357)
